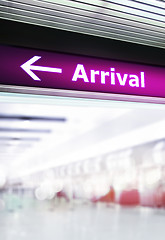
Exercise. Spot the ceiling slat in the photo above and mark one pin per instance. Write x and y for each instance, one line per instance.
(106, 20)
(132, 21)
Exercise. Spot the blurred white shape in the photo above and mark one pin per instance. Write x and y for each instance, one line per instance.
(2, 176)
(153, 176)
(58, 185)
(62, 171)
(77, 168)
(40, 194)
(86, 166)
(2, 204)
(126, 178)
(95, 186)
(48, 189)
(158, 153)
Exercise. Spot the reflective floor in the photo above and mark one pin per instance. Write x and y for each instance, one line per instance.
(83, 223)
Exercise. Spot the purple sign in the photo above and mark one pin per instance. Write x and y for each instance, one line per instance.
(42, 69)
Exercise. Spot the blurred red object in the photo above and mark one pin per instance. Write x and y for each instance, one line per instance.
(62, 194)
(107, 198)
(129, 197)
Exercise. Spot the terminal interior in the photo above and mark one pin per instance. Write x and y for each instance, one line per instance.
(77, 168)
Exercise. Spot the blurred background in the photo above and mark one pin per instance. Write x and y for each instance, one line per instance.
(78, 168)
(81, 169)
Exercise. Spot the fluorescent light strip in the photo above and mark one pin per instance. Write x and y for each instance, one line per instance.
(34, 139)
(25, 130)
(32, 118)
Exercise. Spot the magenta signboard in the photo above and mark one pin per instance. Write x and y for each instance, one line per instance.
(42, 69)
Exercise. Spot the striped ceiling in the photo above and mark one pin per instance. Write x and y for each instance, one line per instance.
(137, 21)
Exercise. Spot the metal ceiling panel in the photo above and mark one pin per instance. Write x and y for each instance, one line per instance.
(132, 21)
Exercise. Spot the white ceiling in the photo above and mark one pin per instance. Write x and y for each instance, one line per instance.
(137, 21)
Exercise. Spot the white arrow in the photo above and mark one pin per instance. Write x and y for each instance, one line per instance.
(27, 67)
